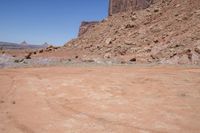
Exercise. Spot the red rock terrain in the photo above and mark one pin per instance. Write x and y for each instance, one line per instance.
(84, 98)
(167, 32)
(126, 99)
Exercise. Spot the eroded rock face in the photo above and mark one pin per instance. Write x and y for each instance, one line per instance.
(85, 26)
(116, 6)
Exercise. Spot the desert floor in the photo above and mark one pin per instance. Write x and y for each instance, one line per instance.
(100, 99)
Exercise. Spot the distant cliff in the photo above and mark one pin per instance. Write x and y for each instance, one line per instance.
(85, 26)
(116, 6)
(23, 45)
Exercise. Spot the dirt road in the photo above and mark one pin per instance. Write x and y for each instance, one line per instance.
(117, 99)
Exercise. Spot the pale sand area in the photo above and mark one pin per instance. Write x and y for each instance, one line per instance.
(100, 99)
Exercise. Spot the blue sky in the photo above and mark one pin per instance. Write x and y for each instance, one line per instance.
(52, 21)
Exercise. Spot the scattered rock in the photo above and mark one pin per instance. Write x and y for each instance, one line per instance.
(88, 60)
(108, 41)
(197, 49)
(133, 17)
(41, 51)
(19, 60)
(123, 62)
(107, 56)
(130, 26)
(189, 53)
(156, 10)
(28, 56)
(184, 60)
(51, 48)
(129, 42)
(156, 41)
(16, 61)
(197, 12)
(195, 58)
(133, 60)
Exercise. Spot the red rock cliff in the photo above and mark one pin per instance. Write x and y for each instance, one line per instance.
(85, 26)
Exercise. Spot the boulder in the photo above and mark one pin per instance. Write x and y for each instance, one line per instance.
(197, 49)
(133, 60)
(28, 56)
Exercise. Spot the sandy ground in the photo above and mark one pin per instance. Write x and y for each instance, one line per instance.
(117, 99)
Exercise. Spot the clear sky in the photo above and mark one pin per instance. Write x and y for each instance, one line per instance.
(52, 21)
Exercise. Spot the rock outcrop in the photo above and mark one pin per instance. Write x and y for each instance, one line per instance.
(116, 6)
(85, 26)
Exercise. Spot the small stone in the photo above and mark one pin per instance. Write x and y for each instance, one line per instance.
(16, 61)
(108, 41)
(133, 17)
(28, 56)
(107, 56)
(123, 62)
(41, 51)
(178, 5)
(130, 26)
(197, 12)
(88, 60)
(176, 15)
(129, 42)
(156, 41)
(156, 10)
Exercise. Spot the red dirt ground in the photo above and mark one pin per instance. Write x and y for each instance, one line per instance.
(115, 99)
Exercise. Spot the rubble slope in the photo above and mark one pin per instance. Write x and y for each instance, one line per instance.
(166, 32)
